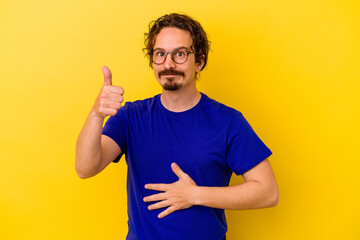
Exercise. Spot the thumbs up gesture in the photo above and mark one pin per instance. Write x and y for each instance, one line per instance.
(109, 100)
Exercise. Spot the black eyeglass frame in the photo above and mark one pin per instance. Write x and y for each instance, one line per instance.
(171, 54)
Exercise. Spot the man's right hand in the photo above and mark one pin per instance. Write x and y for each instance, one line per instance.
(110, 97)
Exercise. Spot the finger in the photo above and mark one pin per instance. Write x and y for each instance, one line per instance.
(111, 105)
(110, 96)
(155, 197)
(167, 211)
(109, 111)
(177, 170)
(113, 89)
(158, 187)
(107, 76)
(117, 90)
(158, 205)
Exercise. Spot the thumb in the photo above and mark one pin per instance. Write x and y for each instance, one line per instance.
(177, 170)
(107, 76)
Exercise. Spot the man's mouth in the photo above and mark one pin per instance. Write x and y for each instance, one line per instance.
(170, 75)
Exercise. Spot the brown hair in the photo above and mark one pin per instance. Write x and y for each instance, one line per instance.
(200, 45)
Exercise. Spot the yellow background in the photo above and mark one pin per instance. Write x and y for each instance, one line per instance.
(291, 67)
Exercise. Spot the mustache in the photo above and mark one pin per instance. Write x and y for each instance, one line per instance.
(171, 72)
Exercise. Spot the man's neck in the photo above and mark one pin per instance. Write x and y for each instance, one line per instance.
(180, 100)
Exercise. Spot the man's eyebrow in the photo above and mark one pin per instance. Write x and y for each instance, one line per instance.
(173, 49)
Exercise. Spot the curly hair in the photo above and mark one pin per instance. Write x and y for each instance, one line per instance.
(201, 44)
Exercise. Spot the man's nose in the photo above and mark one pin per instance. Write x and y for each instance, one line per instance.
(169, 62)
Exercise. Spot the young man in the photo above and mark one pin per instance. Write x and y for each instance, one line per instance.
(181, 146)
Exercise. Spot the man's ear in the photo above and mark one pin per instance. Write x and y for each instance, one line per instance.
(199, 65)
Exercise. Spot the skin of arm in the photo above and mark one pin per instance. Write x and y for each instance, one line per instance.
(88, 147)
(94, 151)
(259, 190)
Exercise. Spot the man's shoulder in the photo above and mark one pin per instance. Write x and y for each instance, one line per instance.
(142, 103)
(220, 107)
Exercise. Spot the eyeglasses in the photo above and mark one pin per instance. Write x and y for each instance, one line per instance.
(179, 56)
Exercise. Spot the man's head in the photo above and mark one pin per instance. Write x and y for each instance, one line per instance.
(169, 38)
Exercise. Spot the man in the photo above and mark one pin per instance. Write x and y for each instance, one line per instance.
(181, 146)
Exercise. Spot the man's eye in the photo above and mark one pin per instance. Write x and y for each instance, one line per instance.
(160, 54)
(180, 53)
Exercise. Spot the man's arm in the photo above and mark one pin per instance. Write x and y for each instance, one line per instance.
(95, 151)
(260, 190)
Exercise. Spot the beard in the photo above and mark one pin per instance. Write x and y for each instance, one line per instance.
(171, 85)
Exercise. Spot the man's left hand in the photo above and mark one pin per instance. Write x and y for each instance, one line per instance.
(176, 196)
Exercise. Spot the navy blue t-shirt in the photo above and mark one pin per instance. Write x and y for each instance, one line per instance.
(208, 142)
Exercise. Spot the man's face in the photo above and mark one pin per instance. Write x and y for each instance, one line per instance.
(173, 76)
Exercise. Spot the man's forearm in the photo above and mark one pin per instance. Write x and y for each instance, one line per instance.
(88, 146)
(248, 195)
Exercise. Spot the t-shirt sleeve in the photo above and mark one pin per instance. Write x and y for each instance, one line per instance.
(245, 149)
(115, 128)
